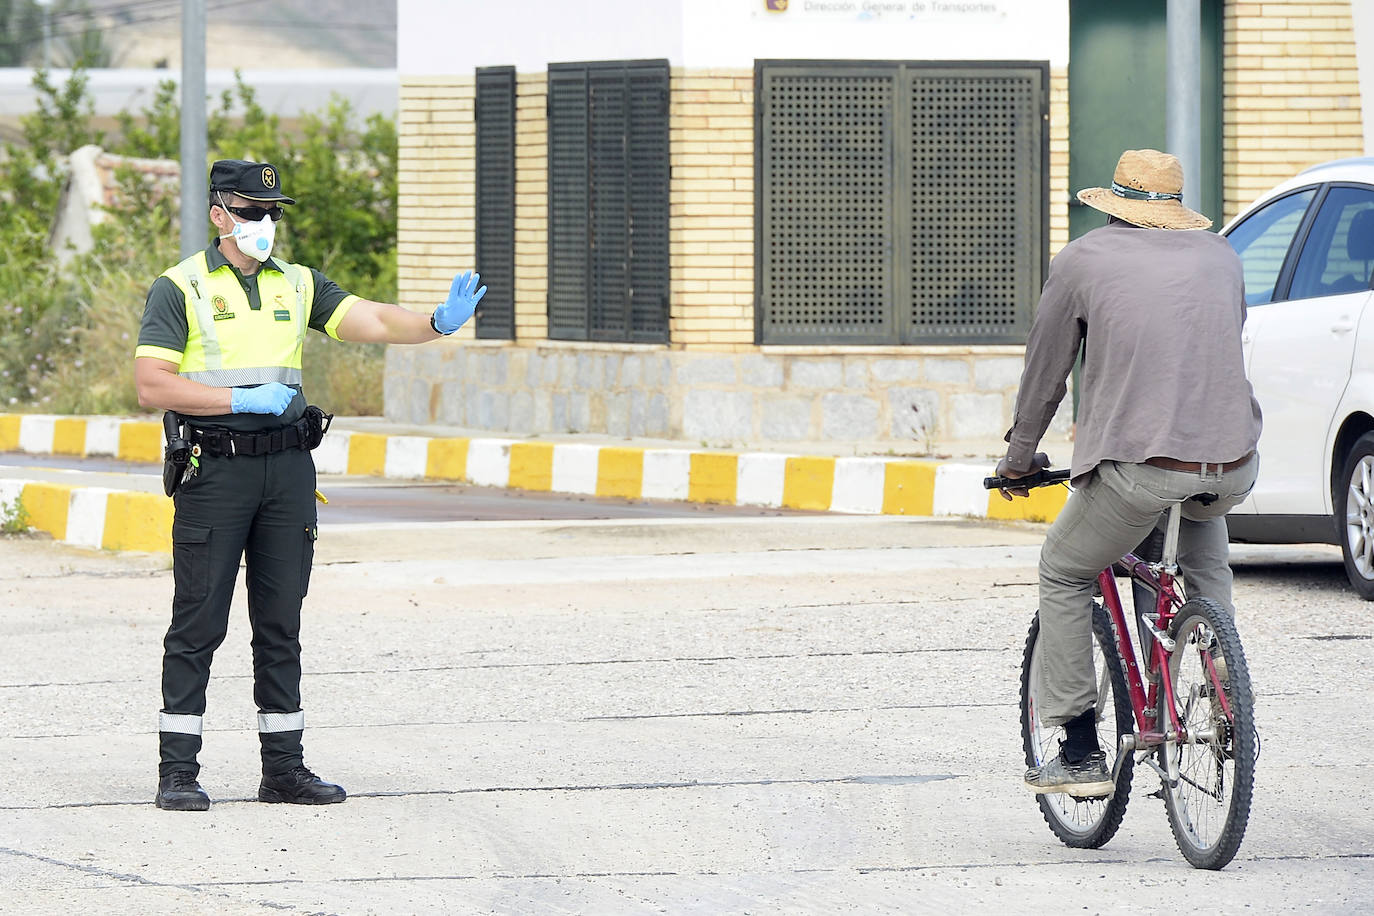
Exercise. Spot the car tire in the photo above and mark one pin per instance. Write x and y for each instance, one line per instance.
(1353, 511)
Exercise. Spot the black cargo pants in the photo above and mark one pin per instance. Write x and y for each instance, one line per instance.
(261, 508)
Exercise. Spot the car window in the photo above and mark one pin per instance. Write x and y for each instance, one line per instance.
(1338, 254)
(1262, 241)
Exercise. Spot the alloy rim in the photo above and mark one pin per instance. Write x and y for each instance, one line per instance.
(1359, 517)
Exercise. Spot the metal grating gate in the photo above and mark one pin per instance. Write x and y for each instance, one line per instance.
(899, 203)
(976, 174)
(608, 201)
(494, 111)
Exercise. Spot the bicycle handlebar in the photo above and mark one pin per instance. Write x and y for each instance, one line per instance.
(1041, 478)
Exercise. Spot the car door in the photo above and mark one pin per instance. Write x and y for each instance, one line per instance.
(1263, 240)
(1302, 348)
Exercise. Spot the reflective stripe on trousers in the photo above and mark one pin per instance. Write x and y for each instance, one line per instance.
(178, 725)
(271, 722)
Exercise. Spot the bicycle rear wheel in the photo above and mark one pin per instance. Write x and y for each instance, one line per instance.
(1083, 823)
(1209, 806)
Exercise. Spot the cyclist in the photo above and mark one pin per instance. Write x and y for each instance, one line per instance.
(1165, 413)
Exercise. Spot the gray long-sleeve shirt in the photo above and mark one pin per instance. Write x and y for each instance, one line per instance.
(1163, 375)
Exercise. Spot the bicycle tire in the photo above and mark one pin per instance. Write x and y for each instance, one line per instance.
(1216, 776)
(1090, 822)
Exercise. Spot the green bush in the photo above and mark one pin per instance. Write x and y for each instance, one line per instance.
(14, 518)
(67, 334)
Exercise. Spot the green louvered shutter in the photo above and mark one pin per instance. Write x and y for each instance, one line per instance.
(569, 202)
(608, 201)
(495, 115)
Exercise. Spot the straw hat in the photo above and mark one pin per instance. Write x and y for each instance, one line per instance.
(1147, 190)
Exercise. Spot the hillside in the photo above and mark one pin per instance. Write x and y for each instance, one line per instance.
(278, 34)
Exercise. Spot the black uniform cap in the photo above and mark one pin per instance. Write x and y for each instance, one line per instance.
(253, 180)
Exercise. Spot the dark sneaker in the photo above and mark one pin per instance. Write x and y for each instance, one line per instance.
(179, 791)
(299, 786)
(1089, 778)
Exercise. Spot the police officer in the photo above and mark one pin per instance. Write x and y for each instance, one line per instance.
(220, 345)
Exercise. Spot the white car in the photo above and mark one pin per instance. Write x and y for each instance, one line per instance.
(1308, 250)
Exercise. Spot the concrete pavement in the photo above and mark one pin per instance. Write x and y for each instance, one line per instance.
(810, 477)
(772, 715)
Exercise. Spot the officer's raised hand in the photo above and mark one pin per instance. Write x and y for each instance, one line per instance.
(462, 300)
(269, 398)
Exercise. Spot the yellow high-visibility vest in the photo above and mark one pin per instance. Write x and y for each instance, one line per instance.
(229, 344)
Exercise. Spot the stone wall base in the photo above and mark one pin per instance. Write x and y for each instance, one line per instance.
(905, 400)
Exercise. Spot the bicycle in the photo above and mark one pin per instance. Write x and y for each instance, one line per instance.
(1194, 727)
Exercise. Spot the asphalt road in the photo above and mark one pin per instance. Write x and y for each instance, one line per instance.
(701, 715)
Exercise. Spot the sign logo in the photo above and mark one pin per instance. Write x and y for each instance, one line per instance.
(219, 304)
(775, 6)
(269, 176)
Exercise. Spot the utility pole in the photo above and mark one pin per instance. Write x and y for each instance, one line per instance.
(1183, 99)
(47, 33)
(193, 139)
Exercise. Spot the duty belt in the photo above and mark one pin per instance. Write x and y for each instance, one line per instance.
(304, 434)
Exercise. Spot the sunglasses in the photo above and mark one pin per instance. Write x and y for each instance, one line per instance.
(254, 214)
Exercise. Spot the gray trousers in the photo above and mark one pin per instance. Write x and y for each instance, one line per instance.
(1103, 520)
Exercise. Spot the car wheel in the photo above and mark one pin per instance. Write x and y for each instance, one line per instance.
(1354, 512)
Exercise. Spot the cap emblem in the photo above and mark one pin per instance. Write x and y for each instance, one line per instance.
(269, 178)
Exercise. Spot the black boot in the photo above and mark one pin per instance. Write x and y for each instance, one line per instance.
(299, 786)
(179, 791)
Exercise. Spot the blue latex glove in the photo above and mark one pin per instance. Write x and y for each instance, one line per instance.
(269, 398)
(462, 300)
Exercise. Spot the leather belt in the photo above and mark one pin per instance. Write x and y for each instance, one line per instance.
(1197, 467)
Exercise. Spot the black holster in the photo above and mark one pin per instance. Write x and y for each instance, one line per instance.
(316, 424)
(177, 454)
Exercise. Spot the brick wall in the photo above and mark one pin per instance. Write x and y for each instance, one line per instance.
(436, 208)
(710, 384)
(1059, 159)
(711, 199)
(711, 206)
(1291, 93)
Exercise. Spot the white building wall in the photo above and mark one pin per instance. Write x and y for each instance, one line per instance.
(1363, 13)
(441, 37)
(732, 33)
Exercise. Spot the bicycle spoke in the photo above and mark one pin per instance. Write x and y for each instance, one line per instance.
(1104, 686)
(1209, 804)
(1081, 822)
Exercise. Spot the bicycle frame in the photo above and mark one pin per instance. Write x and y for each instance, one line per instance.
(1159, 578)
(1144, 702)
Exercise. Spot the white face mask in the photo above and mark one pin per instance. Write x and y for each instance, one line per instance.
(253, 239)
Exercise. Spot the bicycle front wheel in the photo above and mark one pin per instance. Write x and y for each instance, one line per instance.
(1209, 804)
(1083, 823)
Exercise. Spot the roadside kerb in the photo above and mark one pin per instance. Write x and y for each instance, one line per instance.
(101, 517)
